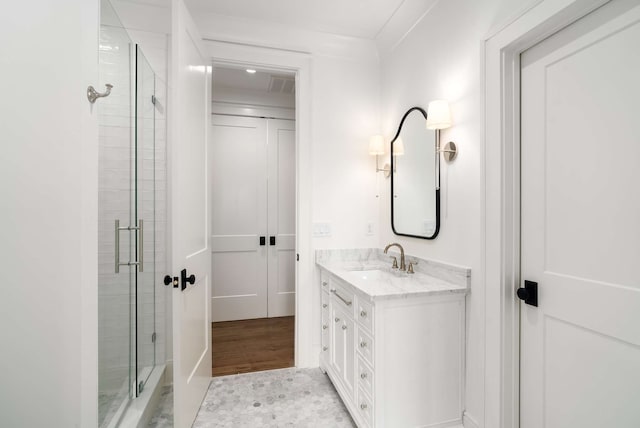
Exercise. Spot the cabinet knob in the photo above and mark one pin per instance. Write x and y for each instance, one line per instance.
(363, 314)
(363, 375)
(344, 327)
(324, 348)
(363, 406)
(324, 305)
(337, 319)
(363, 344)
(324, 326)
(324, 283)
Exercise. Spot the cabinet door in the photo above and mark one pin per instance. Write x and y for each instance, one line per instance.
(336, 347)
(342, 347)
(348, 336)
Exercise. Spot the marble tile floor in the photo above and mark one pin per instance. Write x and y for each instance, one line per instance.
(109, 403)
(275, 399)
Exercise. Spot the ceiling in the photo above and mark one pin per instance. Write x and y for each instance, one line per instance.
(262, 81)
(356, 18)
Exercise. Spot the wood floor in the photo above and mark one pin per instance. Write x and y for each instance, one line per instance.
(252, 345)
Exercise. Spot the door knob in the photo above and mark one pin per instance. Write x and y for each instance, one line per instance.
(191, 279)
(529, 293)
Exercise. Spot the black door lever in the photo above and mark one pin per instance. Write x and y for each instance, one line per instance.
(191, 279)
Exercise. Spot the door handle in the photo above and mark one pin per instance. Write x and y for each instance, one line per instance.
(272, 240)
(184, 279)
(263, 240)
(529, 293)
(140, 230)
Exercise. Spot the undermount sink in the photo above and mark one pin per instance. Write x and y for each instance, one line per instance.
(371, 275)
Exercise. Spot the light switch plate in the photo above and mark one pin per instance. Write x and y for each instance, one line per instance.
(321, 230)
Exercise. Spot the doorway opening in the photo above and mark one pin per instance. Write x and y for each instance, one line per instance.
(252, 158)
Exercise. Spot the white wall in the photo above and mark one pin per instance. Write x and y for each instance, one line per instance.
(48, 239)
(442, 58)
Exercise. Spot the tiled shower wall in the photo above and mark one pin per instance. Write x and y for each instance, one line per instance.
(115, 179)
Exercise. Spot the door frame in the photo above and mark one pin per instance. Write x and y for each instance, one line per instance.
(501, 191)
(299, 63)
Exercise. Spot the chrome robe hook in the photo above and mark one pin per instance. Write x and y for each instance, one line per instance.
(93, 95)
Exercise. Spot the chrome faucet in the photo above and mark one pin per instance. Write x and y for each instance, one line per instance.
(403, 266)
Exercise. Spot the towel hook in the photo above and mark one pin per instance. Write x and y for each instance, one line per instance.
(93, 95)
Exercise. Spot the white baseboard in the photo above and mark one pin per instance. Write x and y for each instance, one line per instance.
(469, 422)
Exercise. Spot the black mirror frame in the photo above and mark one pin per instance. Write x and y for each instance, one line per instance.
(392, 168)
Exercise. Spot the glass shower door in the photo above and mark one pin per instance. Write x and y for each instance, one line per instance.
(145, 211)
(115, 201)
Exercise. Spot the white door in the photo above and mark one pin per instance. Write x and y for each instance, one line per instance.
(253, 217)
(189, 217)
(281, 217)
(239, 223)
(580, 347)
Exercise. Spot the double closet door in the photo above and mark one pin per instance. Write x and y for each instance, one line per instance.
(253, 217)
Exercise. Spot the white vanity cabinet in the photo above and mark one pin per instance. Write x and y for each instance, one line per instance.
(397, 360)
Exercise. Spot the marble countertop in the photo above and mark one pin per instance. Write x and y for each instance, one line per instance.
(376, 279)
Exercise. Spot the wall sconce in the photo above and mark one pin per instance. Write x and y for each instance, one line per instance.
(376, 147)
(439, 117)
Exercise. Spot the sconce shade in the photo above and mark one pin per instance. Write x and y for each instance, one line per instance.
(398, 147)
(376, 145)
(438, 115)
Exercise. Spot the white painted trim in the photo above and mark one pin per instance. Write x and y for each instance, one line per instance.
(237, 109)
(502, 198)
(469, 422)
(272, 59)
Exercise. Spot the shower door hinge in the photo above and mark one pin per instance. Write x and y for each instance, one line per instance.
(153, 338)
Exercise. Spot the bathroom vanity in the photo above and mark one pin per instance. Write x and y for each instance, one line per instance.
(392, 342)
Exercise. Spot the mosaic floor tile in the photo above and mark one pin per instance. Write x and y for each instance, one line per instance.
(277, 398)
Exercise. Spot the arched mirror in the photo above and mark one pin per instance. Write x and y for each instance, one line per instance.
(415, 196)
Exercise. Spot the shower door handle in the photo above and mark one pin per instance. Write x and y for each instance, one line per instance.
(140, 262)
(140, 245)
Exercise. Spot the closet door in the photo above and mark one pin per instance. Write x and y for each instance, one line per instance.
(282, 217)
(239, 221)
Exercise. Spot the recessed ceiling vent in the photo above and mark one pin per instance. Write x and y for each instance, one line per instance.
(282, 84)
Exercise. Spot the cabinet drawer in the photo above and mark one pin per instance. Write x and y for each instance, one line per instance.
(364, 377)
(343, 296)
(365, 407)
(365, 314)
(365, 346)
